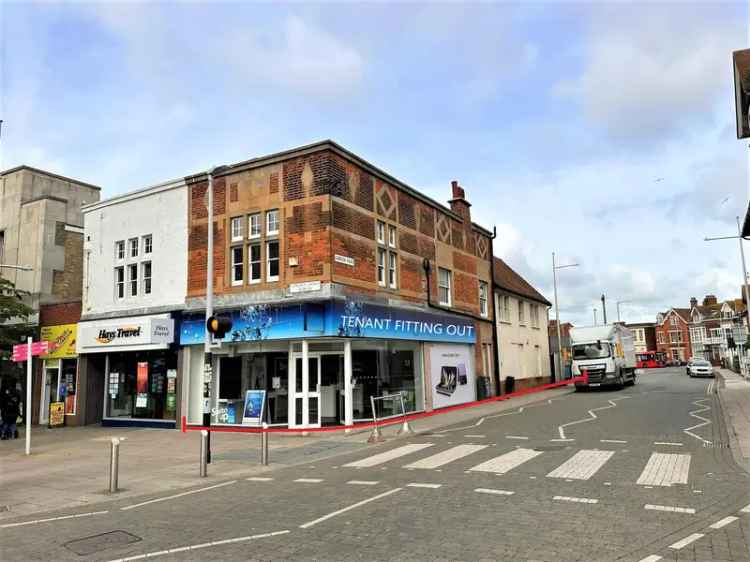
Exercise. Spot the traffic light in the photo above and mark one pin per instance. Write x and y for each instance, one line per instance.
(218, 326)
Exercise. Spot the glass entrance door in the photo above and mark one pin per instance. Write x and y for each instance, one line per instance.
(50, 392)
(306, 394)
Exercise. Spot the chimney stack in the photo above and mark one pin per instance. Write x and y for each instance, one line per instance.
(458, 203)
(693, 302)
(709, 300)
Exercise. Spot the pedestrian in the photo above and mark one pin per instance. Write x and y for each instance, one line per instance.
(10, 406)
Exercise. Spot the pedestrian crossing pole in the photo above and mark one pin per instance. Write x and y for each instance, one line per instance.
(27, 406)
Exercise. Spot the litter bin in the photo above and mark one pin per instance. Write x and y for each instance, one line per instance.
(483, 390)
(510, 384)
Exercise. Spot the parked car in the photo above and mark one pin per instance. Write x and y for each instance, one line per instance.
(699, 368)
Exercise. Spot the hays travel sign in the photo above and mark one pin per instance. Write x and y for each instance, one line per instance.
(107, 335)
(335, 319)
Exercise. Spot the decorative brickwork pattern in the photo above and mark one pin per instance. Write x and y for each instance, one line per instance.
(465, 263)
(307, 218)
(274, 183)
(412, 274)
(406, 210)
(408, 243)
(482, 246)
(385, 201)
(198, 201)
(233, 193)
(427, 248)
(443, 228)
(457, 236)
(427, 221)
(466, 289)
(364, 258)
(351, 220)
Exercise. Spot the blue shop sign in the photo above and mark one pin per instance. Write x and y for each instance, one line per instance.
(335, 319)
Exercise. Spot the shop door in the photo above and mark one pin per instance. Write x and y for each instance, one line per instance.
(306, 393)
(50, 393)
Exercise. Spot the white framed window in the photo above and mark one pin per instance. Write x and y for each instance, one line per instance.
(392, 270)
(133, 280)
(120, 250)
(236, 229)
(146, 277)
(253, 226)
(521, 315)
(380, 233)
(381, 267)
(392, 236)
(444, 286)
(272, 260)
(133, 247)
(660, 337)
(483, 298)
(254, 264)
(147, 243)
(506, 308)
(272, 222)
(120, 280)
(238, 262)
(534, 312)
(673, 320)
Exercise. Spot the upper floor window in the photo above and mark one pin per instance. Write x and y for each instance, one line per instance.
(381, 267)
(534, 309)
(272, 260)
(392, 270)
(392, 236)
(673, 320)
(254, 263)
(238, 262)
(444, 286)
(253, 226)
(505, 309)
(236, 229)
(120, 281)
(660, 337)
(483, 298)
(146, 277)
(272, 222)
(521, 315)
(380, 234)
(133, 279)
(134, 247)
(148, 244)
(120, 249)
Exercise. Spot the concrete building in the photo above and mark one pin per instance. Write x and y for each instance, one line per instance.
(521, 317)
(41, 227)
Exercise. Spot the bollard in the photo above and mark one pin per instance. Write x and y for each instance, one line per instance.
(405, 428)
(264, 445)
(114, 464)
(204, 453)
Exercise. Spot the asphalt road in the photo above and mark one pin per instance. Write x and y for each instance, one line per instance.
(635, 474)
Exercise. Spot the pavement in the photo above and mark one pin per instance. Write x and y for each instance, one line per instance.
(735, 400)
(640, 474)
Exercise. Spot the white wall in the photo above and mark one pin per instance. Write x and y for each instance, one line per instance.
(160, 211)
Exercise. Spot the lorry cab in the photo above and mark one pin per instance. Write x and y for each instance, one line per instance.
(605, 354)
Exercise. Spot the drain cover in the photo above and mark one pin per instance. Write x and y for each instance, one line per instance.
(97, 543)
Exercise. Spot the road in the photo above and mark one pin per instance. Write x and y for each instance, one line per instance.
(635, 474)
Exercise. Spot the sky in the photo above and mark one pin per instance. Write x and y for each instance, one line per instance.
(602, 132)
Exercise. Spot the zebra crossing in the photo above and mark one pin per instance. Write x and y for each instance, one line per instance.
(660, 469)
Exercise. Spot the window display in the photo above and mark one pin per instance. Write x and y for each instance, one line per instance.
(142, 384)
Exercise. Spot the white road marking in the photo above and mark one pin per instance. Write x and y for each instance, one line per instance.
(200, 546)
(423, 485)
(704, 421)
(363, 482)
(506, 462)
(381, 458)
(444, 457)
(592, 415)
(665, 469)
(669, 508)
(475, 436)
(745, 509)
(308, 480)
(686, 541)
(611, 441)
(259, 479)
(583, 465)
(480, 422)
(652, 558)
(493, 491)
(724, 522)
(575, 500)
(188, 493)
(562, 440)
(516, 437)
(35, 521)
(668, 443)
(349, 508)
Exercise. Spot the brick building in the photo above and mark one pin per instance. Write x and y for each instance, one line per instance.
(673, 334)
(343, 284)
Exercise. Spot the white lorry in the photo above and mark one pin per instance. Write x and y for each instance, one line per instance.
(605, 354)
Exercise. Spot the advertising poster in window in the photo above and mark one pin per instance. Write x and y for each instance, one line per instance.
(56, 414)
(142, 378)
(452, 375)
(255, 401)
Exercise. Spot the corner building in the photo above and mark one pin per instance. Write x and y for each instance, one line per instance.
(343, 284)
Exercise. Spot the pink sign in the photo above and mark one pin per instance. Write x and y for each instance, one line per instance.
(20, 352)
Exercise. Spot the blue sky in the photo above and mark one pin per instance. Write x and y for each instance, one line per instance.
(558, 119)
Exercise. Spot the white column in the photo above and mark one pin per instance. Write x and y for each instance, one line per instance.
(305, 386)
(292, 385)
(348, 390)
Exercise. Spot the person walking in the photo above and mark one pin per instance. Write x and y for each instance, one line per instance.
(10, 408)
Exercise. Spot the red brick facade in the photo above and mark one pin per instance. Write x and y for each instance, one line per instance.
(673, 335)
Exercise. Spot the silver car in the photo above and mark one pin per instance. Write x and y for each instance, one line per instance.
(700, 368)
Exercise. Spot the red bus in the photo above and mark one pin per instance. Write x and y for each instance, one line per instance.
(650, 360)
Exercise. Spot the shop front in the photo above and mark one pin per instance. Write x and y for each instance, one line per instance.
(139, 385)
(327, 363)
(59, 381)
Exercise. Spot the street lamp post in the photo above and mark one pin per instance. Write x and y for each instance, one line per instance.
(618, 308)
(555, 267)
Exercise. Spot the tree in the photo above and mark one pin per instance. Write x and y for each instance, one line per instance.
(14, 324)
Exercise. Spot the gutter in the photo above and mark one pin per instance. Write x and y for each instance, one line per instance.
(495, 338)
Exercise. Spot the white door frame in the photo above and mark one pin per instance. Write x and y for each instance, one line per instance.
(306, 393)
(46, 397)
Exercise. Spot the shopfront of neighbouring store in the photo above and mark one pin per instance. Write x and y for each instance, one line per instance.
(59, 375)
(139, 370)
(326, 363)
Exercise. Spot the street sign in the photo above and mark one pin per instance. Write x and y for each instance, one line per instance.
(20, 352)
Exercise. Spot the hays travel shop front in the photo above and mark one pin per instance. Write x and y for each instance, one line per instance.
(131, 363)
(321, 363)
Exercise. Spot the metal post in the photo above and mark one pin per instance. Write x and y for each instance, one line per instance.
(405, 428)
(27, 406)
(208, 357)
(618, 311)
(264, 445)
(204, 453)
(557, 321)
(594, 317)
(114, 464)
(744, 277)
(375, 436)
(604, 310)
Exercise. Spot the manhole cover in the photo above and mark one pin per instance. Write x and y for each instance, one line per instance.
(549, 448)
(97, 543)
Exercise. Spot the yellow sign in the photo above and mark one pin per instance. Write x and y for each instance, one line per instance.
(62, 340)
(56, 414)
